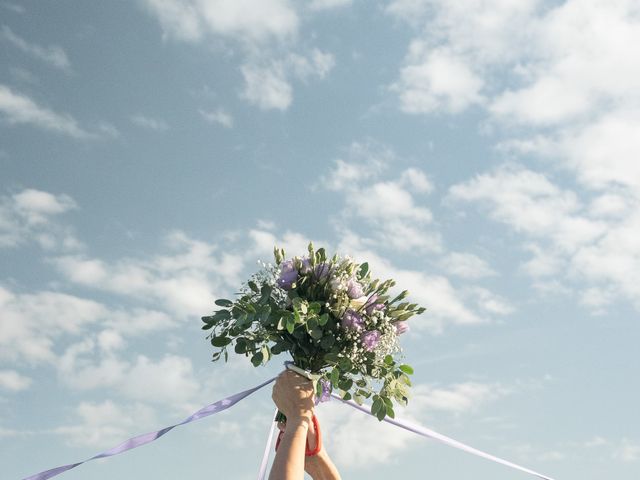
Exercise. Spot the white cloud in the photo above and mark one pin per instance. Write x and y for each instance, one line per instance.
(178, 18)
(241, 20)
(104, 424)
(150, 123)
(466, 265)
(388, 206)
(461, 398)
(358, 439)
(530, 203)
(565, 236)
(88, 365)
(29, 215)
(182, 282)
(30, 322)
(267, 87)
(219, 116)
(328, 4)
(20, 109)
(268, 82)
(14, 381)
(437, 80)
(266, 33)
(490, 302)
(627, 451)
(53, 54)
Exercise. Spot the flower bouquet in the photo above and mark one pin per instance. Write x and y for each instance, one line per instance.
(331, 316)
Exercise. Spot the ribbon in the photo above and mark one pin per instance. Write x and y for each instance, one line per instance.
(425, 432)
(145, 438)
(267, 448)
(229, 402)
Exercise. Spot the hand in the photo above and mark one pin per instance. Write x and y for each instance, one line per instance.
(293, 395)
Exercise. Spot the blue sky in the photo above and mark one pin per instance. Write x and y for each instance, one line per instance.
(484, 153)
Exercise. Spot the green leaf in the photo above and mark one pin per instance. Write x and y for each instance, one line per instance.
(376, 406)
(388, 360)
(220, 341)
(364, 268)
(207, 326)
(345, 384)
(222, 315)
(257, 359)
(312, 323)
(314, 307)
(346, 396)
(327, 341)
(241, 345)
(345, 364)
(390, 412)
(335, 375)
(290, 325)
(316, 333)
(324, 318)
(253, 286)
(381, 414)
(406, 369)
(223, 302)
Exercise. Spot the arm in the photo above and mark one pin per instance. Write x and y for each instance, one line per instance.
(293, 395)
(320, 466)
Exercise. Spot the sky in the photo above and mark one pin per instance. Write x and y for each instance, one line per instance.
(483, 153)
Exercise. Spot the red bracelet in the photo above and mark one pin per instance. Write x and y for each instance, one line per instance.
(308, 452)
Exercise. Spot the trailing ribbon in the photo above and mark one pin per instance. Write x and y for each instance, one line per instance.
(425, 432)
(145, 438)
(228, 402)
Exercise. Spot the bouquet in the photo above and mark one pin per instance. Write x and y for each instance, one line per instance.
(331, 316)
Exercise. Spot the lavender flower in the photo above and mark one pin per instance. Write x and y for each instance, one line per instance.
(351, 320)
(354, 289)
(326, 391)
(370, 339)
(371, 305)
(401, 327)
(288, 275)
(306, 266)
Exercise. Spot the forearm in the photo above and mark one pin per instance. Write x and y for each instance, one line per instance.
(289, 460)
(320, 467)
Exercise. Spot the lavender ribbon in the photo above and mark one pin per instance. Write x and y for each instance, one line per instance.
(145, 438)
(425, 432)
(229, 402)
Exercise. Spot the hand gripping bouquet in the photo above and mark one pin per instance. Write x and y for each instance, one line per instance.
(331, 317)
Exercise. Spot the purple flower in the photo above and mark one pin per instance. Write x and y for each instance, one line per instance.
(306, 266)
(401, 327)
(371, 304)
(351, 320)
(326, 391)
(370, 339)
(288, 275)
(354, 289)
(322, 271)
